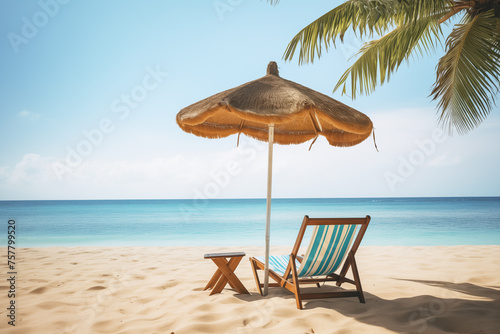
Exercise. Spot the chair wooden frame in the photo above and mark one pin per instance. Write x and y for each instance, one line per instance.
(292, 282)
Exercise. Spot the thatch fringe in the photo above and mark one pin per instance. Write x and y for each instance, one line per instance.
(297, 112)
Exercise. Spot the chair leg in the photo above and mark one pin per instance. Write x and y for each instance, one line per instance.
(255, 275)
(344, 270)
(357, 281)
(298, 298)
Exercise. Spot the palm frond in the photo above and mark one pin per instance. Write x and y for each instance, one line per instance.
(365, 17)
(380, 58)
(468, 74)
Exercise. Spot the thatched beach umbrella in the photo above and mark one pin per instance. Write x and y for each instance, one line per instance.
(279, 111)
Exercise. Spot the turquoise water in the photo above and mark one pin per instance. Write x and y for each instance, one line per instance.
(232, 222)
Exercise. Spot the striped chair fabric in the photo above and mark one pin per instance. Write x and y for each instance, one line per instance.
(326, 251)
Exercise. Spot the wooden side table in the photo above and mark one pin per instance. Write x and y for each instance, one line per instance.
(225, 272)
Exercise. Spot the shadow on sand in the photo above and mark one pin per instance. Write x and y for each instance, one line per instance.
(457, 308)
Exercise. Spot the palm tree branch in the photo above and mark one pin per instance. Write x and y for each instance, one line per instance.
(380, 58)
(452, 12)
(468, 74)
(364, 17)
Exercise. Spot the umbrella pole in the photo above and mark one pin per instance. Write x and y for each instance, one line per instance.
(268, 205)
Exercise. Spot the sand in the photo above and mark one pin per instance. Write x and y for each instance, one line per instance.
(160, 290)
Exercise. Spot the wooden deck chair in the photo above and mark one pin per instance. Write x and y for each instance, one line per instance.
(332, 241)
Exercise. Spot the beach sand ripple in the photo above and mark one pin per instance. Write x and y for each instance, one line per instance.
(452, 289)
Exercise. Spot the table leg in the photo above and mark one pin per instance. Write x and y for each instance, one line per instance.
(227, 270)
(232, 264)
(213, 280)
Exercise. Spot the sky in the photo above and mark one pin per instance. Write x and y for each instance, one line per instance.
(90, 91)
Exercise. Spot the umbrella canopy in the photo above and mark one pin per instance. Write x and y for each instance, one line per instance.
(274, 109)
(297, 112)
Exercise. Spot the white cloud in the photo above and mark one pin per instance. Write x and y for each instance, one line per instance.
(444, 160)
(156, 170)
(325, 171)
(156, 178)
(4, 172)
(31, 116)
(32, 169)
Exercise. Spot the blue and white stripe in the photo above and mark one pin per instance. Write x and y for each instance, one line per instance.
(278, 263)
(327, 249)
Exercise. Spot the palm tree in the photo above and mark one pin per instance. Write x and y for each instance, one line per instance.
(467, 79)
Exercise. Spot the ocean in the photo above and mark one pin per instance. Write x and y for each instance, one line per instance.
(239, 222)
